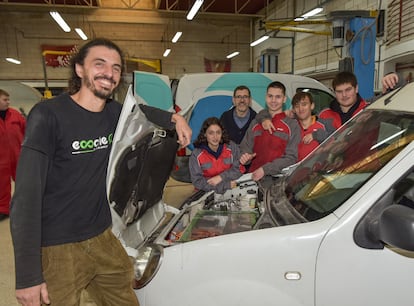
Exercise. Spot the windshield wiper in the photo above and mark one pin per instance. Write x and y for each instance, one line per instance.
(388, 100)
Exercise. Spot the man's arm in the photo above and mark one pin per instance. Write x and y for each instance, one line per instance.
(291, 152)
(263, 115)
(158, 116)
(321, 134)
(265, 119)
(167, 120)
(183, 130)
(391, 81)
(26, 205)
(26, 215)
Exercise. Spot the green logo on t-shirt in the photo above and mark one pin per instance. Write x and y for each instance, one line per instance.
(91, 145)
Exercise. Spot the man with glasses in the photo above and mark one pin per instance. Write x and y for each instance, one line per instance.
(348, 102)
(237, 119)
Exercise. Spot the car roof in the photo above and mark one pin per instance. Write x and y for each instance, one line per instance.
(195, 86)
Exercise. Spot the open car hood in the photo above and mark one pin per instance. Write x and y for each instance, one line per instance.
(140, 163)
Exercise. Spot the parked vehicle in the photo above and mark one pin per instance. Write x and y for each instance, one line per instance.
(335, 229)
(202, 95)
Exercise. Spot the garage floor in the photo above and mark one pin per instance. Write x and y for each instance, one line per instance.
(175, 193)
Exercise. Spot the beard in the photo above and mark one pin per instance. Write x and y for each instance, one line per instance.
(103, 93)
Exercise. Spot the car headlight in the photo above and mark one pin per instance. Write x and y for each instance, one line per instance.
(147, 264)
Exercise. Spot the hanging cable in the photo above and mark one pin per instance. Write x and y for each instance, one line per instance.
(363, 33)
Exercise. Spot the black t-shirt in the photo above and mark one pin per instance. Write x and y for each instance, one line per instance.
(77, 143)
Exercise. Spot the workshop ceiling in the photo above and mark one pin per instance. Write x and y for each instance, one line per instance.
(56, 2)
(249, 7)
(238, 7)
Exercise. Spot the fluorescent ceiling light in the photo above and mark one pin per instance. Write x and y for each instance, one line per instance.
(235, 53)
(260, 40)
(13, 60)
(299, 19)
(176, 37)
(166, 52)
(312, 12)
(81, 33)
(62, 23)
(196, 6)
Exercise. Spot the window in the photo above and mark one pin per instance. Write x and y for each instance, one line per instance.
(322, 99)
(347, 160)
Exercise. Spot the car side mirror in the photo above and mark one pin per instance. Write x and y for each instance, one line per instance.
(396, 227)
(366, 231)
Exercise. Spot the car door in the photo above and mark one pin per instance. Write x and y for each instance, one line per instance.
(349, 273)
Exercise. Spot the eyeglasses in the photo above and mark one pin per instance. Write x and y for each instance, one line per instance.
(242, 97)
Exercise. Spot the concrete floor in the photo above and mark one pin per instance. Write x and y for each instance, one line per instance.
(175, 193)
(6, 266)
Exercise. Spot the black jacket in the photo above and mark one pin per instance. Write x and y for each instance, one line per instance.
(236, 134)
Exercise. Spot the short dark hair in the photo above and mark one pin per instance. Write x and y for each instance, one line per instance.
(4, 93)
(201, 138)
(343, 78)
(277, 84)
(241, 87)
(75, 81)
(299, 96)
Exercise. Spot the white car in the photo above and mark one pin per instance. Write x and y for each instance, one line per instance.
(335, 229)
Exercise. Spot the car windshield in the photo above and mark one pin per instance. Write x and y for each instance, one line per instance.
(343, 163)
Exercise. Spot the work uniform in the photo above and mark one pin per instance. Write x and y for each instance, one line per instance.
(337, 116)
(12, 127)
(273, 151)
(320, 130)
(205, 163)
